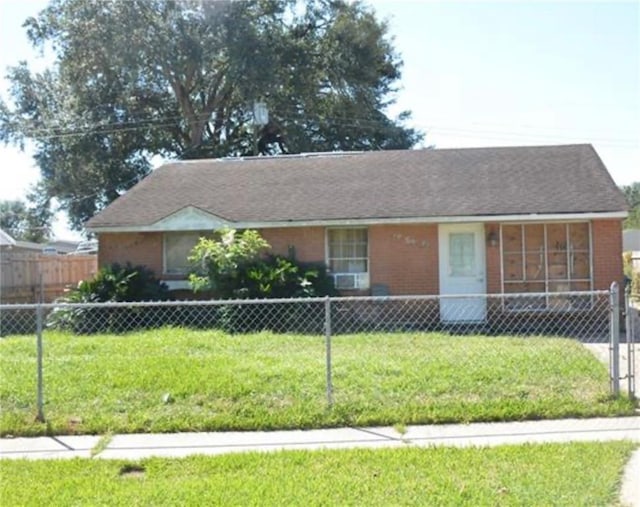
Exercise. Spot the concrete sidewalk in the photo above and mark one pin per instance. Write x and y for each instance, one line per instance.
(137, 446)
(143, 445)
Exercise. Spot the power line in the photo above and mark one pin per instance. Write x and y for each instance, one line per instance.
(355, 122)
(621, 143)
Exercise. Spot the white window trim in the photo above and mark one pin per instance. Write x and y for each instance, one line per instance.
(361, 280)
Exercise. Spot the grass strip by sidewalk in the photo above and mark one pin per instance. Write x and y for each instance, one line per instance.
(171, 380)
(549, 474)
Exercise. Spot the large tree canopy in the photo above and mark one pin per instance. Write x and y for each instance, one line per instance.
(178, 78)
(25, 222)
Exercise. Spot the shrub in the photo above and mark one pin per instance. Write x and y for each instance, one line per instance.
(635, 284)
(632, 277)
(113, 283)
(17, 322)
(239, 266)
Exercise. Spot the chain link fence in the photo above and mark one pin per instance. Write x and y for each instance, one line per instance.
(581, 315)
(590, 317)
(632, 337)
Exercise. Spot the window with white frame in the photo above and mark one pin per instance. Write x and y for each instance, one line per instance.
(348, 257)
(462, 254)
(176, 249)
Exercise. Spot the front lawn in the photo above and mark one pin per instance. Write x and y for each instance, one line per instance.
(183, 380)
(550, 474)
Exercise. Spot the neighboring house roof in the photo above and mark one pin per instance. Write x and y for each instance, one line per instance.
(398, 185)
(60, 246)
(29, 245)
(63, 246)
(5, 239)
(8, 242)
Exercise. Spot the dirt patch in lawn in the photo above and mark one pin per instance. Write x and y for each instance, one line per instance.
(132, 471)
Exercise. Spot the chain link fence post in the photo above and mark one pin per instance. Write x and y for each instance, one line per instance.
(630, 318)
(614, 339)
(39, 386)
(327, 341)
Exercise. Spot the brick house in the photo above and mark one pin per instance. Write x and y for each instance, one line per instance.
(434, 221)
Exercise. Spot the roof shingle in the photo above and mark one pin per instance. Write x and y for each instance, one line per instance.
(374, 185)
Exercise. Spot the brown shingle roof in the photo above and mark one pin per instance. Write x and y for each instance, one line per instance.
(374, 185)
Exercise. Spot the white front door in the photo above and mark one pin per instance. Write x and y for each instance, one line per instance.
(462, 271)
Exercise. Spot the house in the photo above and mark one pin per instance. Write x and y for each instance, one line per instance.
(9, 244)
(63, 246)
(6, 241)
(431, 221)
(53, 247)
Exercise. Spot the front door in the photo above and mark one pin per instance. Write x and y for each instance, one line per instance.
(462, 272)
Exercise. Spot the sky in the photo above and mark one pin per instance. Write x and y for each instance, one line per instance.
(475, 74)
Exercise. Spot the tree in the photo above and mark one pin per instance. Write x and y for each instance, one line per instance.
(632, 193)
(141, 78)
(24, 223)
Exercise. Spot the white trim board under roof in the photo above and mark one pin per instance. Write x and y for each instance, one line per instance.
(535, 217)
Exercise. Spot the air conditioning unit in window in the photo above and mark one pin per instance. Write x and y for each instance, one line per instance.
(351, 281)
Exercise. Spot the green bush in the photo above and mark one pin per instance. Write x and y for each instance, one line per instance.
(239, 266)
(632, 277)
(18, 322)
(113, 283)
(635, 285)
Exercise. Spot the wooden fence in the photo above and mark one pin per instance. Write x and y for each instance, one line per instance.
(23, 275)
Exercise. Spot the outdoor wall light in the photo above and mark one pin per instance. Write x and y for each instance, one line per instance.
(492, 238)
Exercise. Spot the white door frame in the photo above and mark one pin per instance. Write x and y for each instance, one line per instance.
(470, 278)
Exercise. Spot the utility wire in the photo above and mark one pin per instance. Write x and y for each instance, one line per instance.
(46, 133)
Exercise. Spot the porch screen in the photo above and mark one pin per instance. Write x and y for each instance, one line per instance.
(552, 257)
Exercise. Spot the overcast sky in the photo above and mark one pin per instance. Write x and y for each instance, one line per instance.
(475, 74)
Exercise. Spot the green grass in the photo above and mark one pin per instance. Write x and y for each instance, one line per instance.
(549, 474)
(182, 380)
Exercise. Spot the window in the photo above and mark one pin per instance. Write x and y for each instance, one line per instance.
(177, 248)
(348, 257)
(462, 255)
(553, 257)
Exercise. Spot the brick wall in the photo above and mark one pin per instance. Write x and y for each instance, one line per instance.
(404, 257)
(494, 274)
(146, 247)
(142, 248)
(308, 242)
(607, 253)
